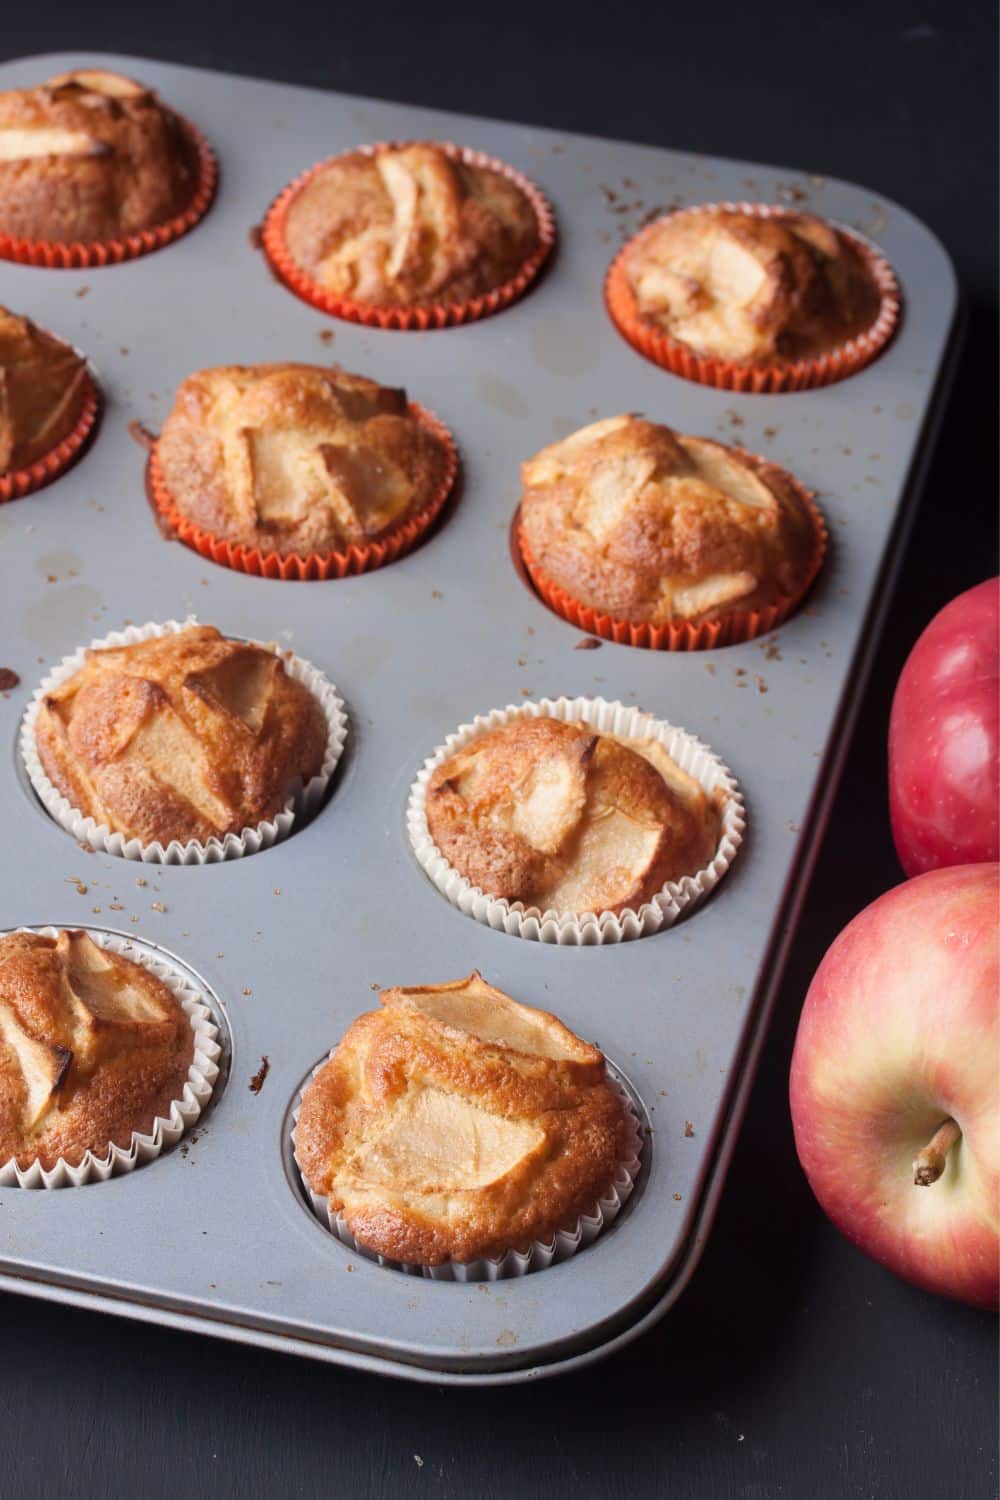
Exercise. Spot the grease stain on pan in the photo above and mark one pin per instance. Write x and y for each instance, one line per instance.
(367, 654)
(502, 396)
(58, 564)
(61, 617)
(562, 347)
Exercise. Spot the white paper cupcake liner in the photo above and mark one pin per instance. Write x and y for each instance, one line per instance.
(166, 1130)
(676, 897)
(303, 801)
(540, 1255)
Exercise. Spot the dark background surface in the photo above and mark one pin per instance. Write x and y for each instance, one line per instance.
(792, 1366)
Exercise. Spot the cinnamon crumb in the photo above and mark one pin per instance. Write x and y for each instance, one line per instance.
(141, 434)
(688, 1129)
(589, 643)
(8, 679)
(255, 234)
(325, 335)
(257, 1081)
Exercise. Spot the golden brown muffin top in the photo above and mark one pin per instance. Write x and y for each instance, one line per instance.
(749, 287)
(455, 1123)
(42, 390)
(296, 458)
(565, 819)
(92, 1047)
(650, 525)
(184, 736)
(90, 155)
(404, 225)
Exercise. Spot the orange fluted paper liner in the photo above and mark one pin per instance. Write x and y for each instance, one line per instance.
(425, 315)
(733, 375)
(62, 255)
(293, 567)
(35, 476)
(684, 635)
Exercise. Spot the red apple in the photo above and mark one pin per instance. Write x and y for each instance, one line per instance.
(895, 1088)
(944, 747)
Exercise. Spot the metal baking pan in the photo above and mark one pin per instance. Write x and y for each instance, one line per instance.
(291, 942)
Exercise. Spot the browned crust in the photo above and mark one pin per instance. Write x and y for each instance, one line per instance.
(633, 519)
(815, 289)
(137, 171)
(472, 797)
(348, 461)
(384, 1054)
(112, 1073)
(405, 225)
(43, 386)
(184, 736)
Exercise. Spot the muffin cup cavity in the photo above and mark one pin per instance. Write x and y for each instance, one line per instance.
(582, 928)
(63, 255)
(294, 566)
(540, 1254)
(166, 1130)
(302, 804)
(735, 375)
(729, 629)
(20, 482)
(421, 316)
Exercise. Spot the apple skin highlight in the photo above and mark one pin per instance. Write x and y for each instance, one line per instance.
(899, 1033)
(944, 738)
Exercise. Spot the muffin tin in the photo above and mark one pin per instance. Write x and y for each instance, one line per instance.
(290, 943)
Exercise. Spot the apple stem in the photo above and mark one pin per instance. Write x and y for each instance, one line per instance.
(929, 1163)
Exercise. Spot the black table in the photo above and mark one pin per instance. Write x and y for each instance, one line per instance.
(792, 1366)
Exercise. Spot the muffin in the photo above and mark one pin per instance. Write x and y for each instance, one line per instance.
(561, 818)
(635, 522)
(752, 298)
(182, 736)
(93, 1047)
(414, 226)
(454, 1124)
(91, 156)
(295, 459)
(44, 388)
